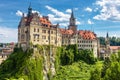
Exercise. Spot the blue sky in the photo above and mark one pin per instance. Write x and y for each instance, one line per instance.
(100, 16)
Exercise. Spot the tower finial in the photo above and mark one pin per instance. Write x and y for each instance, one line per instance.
(29, 10)
(30, 5)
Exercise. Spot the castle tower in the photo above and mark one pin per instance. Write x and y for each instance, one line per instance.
(107, 42)
(29, 11)
(72, 23)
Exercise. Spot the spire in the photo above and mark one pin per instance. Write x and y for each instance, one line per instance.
(72, 22)
(30, 5)
(72, 19)
(72, 14)
(107, 36)
(29, 10)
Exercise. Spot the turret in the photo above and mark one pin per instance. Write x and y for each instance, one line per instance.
(72, 23)
(29, 10)
(72, 19)
(107, 40)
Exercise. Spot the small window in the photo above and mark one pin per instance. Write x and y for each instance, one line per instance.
(51, 32)
(38, 30)
(43, 31)
(48, 32)
(38, 37)
(43, 37)
(34, 30)
(51, 37)
(22, 36)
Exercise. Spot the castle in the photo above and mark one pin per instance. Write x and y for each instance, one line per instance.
(39, 30)
(106, 50)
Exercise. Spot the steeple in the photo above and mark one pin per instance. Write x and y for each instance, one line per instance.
(107, 40)
(107, 36)
(29, 10)
(72, 22)
(72, 19)
(72, 14)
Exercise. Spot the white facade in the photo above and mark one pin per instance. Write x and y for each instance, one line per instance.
(88, 44)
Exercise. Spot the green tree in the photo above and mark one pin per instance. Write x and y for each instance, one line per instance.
(113, 73)
(96, 74)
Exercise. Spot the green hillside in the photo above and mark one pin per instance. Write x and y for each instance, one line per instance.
(70, 64)
(77, 71)
(22, 66)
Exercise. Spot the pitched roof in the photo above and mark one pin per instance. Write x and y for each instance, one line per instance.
(44, 20)
(87, 34)
(66, 31)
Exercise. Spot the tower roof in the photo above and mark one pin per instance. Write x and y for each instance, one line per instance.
(107, 36)
(29, 10)
(72, 14)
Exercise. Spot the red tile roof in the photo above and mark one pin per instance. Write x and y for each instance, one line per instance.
(87, 34)
(115, 47)
(66, 31)
(84, 34)
(45, 21)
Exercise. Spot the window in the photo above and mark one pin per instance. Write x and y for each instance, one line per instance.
(38, 37)
(2, 56)
(38, 30)
(51, 32)
(34, 37)
(22, 36)
(48, 37)
(34, 30)
(43, 37)
(43, 31)
(48, 32)
(52, 38)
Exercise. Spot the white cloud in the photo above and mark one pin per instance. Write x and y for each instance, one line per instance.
(59, 17)
(109, 10)
(34, 11)
(68, 10)
(19, 13)
(64, 24)
(58, 13)
(78, 23)
(90, 22)
(8, 34)
(88, 9)
(96, 9)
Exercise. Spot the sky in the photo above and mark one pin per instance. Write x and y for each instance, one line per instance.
(100, 16)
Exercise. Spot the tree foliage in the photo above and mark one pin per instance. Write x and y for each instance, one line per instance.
(110, 69)
(96, 74)
(22, 65)
(69, 54)
(114, 41)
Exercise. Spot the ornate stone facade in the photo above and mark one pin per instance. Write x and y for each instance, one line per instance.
(39, 30)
